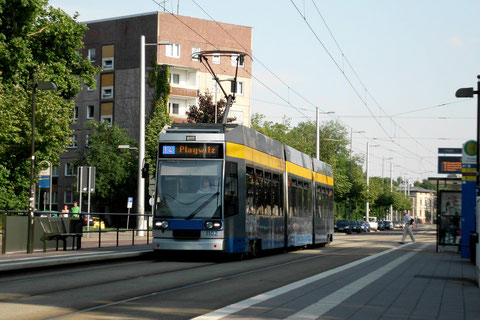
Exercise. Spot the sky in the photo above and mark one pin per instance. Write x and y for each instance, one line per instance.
(389, 69)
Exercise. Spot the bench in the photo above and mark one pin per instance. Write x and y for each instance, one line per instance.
(54, 229)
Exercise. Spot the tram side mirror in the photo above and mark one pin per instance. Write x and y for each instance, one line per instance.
(145, 170)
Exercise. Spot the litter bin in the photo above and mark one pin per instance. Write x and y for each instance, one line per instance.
(473, 246)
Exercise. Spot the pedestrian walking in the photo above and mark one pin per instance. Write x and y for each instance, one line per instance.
(408, 227)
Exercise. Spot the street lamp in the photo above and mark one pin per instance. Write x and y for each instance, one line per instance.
(44, 86)
(367, 211)
(468, 93)
(318, 130)
(351, 141)
(141, 138)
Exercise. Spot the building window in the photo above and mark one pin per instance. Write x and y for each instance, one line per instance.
(173, 108)
(91, 55)
(214, 86)
(106, 112)
(174, 78)
(241, 63)
(194, 56)
(90, 112)
(54, 197)
(108, 119)
(172, 50)
(68, 197)
(87, 140)
(55, 171)
(107, 64)
(69, 169)
(216, 59)
(73, 140)
(75, 113)
(239, 88)
(107, 92)
(108, 52)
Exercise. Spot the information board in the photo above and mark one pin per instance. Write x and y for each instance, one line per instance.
(452, 165)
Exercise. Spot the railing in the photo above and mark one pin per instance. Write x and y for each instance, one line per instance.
(107, 236)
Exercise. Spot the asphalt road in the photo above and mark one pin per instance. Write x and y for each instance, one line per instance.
(174, 287)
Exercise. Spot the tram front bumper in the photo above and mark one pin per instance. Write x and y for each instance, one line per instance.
(189, 244)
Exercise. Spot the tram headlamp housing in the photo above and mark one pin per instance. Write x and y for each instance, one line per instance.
(162, 224)
(213, 225)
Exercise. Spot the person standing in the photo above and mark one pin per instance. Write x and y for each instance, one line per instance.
(408, 227)
(75, 210)
(65, 211)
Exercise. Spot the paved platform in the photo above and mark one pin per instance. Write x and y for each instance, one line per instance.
(409, 281)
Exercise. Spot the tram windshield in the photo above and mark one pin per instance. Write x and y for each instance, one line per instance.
(189, 189)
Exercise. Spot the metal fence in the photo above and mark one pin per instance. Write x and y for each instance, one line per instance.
(99, 229)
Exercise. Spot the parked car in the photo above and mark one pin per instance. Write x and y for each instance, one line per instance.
(364, 226)
(388, 225)
(343, 226)
(356, 227)
(397, 225)
(373, 223)
(381, 225)
(84, 219)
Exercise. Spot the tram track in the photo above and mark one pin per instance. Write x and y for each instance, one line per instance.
(203, 282)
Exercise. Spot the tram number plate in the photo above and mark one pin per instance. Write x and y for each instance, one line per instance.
(210, 233)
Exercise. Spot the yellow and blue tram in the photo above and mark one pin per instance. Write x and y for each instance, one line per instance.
(231, 189)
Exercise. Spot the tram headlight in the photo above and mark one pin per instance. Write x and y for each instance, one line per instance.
(163, 224)
(213, 225)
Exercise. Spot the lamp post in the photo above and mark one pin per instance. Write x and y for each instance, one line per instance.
(318, 131)
(350, 176)
(141, 138)
(367, 209)
(47, 86)
(468, 93)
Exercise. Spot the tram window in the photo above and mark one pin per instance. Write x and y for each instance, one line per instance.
(259, 173)
(275, 177)
(268, 175)
(258, 196)
(250, 192)
(231, 189)
(268, 197)
(250, 171)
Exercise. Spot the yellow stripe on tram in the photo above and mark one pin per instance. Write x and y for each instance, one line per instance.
(298, 170)
(243, 152)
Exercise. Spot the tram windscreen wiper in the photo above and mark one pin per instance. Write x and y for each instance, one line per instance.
(203, 205)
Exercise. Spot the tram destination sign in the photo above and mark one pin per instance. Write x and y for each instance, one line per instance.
(451, 165)
(191, 150)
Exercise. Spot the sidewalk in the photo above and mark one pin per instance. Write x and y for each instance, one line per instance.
(89, 252)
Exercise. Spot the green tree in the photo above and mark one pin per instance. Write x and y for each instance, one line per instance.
(425, 184)
(401, 201)
(41, 41)
(159, 80)
(116, 168)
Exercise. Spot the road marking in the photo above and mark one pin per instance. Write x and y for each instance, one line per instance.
(326, 304)
(239, 306)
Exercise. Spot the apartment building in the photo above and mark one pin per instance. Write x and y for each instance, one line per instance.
(114, 46)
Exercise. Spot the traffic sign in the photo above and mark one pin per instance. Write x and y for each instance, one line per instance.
(130, 203)
(469, 152)
(45, 168)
